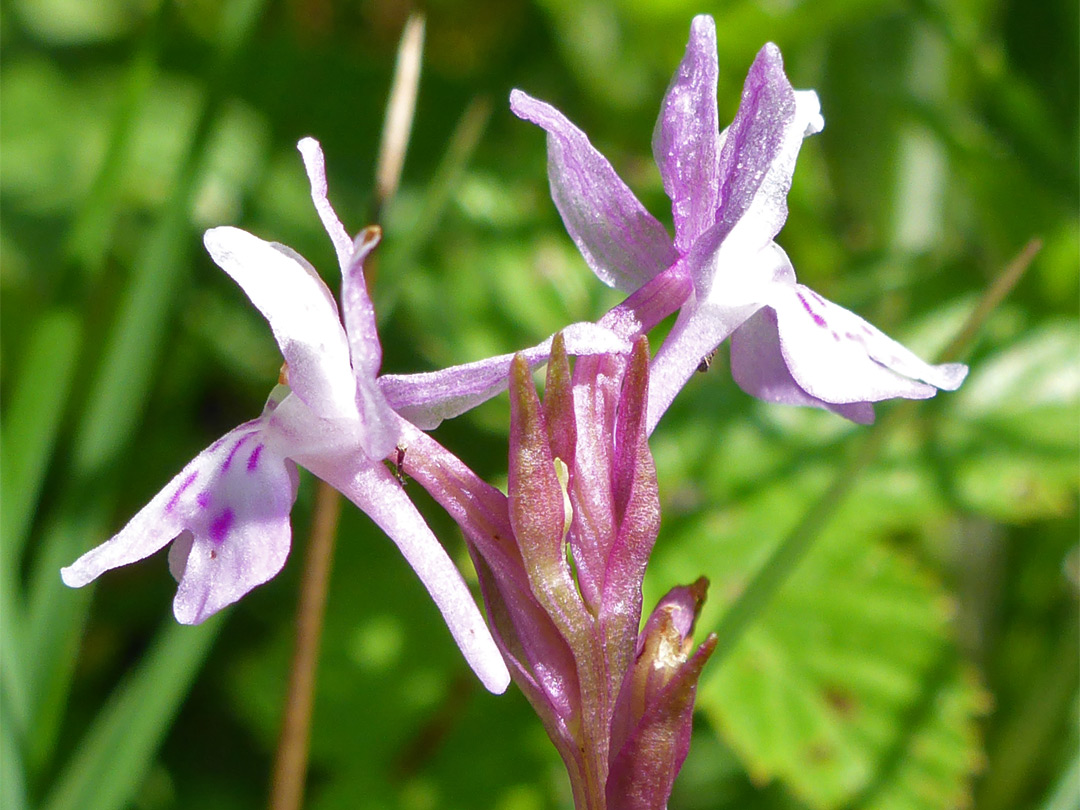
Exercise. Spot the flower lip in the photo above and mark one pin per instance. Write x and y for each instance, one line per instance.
(227, 516)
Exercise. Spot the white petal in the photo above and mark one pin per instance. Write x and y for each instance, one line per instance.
(301, 313)
(838, 357)
(315, 165)
(374, 489)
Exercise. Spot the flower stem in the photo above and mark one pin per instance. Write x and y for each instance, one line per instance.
(290, 765)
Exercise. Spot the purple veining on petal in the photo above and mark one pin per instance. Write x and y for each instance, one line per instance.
(180, 491)
(806, 305)
(836, 335)
(203, 499)
(253, 459)
(221, 525)
(239, 443)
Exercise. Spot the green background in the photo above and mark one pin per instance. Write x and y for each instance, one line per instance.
(922, 653)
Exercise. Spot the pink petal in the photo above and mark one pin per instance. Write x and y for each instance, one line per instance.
(372, 487)
(622, 242)
(229, 513)
(836, 356)
(685, 141)
(301, 312)
(426, 399)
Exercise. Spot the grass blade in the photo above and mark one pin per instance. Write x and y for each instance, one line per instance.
(111, 760)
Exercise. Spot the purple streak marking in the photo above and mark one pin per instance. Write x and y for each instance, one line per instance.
(806, 305)
(253, 459)
(176, 496)
(239, 443)
(221, 525)
(203, 499)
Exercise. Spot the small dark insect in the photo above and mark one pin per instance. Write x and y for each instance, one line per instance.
(706, 361)
(398, 461)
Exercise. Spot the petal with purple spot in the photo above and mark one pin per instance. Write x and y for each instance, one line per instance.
(228, 512)
(836, 356)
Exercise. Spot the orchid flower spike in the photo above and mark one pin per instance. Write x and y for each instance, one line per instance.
(723, 271)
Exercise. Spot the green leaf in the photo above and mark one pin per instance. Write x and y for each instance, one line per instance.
(843, 683)
(31, 422)
(1012, 434)
(30, 428)
(12, 773)
(111, 760)
(847, 687)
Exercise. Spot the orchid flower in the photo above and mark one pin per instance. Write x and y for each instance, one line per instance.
(227, 512)
(723, 272)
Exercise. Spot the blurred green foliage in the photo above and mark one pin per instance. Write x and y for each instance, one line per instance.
(923, 653)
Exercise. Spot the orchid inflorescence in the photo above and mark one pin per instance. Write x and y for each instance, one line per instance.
(560, 557)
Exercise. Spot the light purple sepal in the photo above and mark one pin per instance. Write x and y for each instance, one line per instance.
(622, 242)
(228, 512)
(380, 432)
(357, 310)
(373, 488)
(755, 141)
(426, 399)
(685, 142)
(315, 166)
